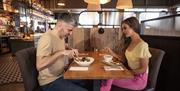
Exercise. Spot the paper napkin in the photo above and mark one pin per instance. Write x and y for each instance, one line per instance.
(111, 68)
(78, 68)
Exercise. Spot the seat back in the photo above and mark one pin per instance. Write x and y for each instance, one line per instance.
(26, 59)
(154, 66)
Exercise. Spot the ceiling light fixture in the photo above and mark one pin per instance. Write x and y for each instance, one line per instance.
(61, 4)
(97, 1)
(124, 4)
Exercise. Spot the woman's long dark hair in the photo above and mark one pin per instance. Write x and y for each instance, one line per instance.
(133, 23)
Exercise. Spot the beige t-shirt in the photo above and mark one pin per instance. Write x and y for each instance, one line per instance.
(48, 44)
(141, 50)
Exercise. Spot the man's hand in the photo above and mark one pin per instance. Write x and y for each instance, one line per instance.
(76, 53)
(67, 47)
(71, 53)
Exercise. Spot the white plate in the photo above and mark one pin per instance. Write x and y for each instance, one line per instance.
(111, 63)
(85, 63)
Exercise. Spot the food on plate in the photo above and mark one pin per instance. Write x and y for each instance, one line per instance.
(85, 59)
(82, 59)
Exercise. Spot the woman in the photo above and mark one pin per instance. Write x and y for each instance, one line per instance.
(137, 55)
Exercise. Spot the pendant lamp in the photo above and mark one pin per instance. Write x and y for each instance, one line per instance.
(97, 1)
(124, 4)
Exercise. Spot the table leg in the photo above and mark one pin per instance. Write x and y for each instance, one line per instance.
(96, 85)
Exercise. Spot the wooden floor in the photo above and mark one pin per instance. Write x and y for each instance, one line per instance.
(11, 86)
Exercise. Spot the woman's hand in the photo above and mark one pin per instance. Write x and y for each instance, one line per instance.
(107, 50)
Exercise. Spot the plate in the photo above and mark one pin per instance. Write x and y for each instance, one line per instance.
(112, 63)
(84, 63)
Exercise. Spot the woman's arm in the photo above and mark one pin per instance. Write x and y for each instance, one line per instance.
(143, 66)
(120, 57)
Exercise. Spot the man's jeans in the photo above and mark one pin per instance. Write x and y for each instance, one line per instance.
(62, 84)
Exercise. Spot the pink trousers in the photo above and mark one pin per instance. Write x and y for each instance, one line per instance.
(137, 83)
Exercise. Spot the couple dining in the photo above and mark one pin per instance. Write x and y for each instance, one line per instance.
(52, 53)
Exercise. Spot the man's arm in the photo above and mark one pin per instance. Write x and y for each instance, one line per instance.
(46, 61)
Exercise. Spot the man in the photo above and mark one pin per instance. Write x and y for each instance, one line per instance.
(51, 56)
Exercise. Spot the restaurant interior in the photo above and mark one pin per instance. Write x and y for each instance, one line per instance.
(22, 22)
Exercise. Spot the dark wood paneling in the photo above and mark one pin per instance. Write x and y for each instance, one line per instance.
(169, 74)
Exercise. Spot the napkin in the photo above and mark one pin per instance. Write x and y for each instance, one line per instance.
(111, 68)
(78, 68)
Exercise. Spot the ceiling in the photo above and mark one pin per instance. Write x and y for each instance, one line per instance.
(80, 4)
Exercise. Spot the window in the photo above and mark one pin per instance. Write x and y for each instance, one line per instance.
(89, 18)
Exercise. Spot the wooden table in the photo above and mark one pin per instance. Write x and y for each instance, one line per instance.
(96, 71)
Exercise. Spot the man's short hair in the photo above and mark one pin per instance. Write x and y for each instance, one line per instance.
(68, 18)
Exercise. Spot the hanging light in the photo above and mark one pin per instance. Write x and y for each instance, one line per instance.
(124, 4)
(97, 1)
(61, 3)
(96, 7)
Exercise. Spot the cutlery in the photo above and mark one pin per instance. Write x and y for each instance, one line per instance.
(77, 57)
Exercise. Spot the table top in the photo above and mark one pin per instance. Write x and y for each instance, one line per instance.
(96, 70)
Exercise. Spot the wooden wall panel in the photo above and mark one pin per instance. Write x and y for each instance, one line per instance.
(77, 39)
(110, 38)
(86, 39)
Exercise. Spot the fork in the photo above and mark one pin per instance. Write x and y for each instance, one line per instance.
(77, 57)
